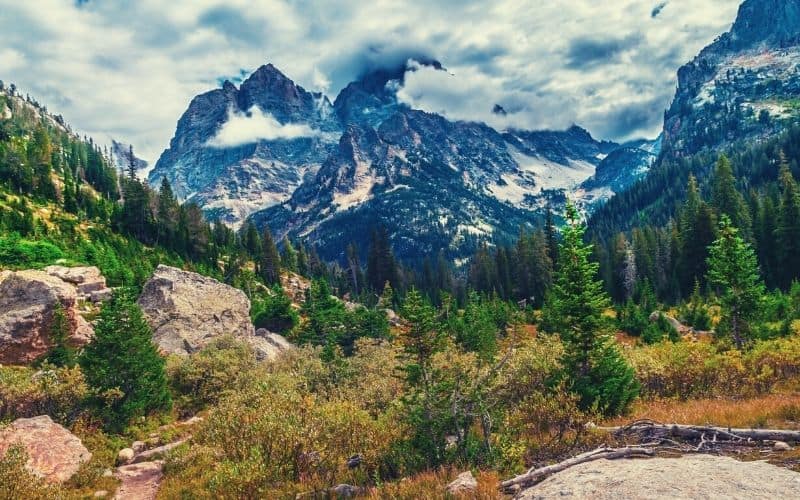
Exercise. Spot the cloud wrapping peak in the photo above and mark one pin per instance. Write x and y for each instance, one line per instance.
(255, 125)
(129, 69)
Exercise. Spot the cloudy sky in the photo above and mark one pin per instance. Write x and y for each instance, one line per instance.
(128, 69)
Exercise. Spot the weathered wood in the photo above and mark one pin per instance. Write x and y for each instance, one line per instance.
(696, 432)
(534, 476)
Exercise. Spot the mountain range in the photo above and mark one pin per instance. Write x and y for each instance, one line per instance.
(329, 173)
(318, 167)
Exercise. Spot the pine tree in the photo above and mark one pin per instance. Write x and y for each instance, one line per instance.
(122, 365)
(574, 308)
(727, 200)
(787, 231)
(697, 232)
(551, 236)
(168, 210)
(733, 270)
(62, 354)
(289, 255)
(270, 264)
(420, 342)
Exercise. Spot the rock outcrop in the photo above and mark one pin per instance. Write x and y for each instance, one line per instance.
(27, 302)
(53, 452)
(695, 476)
(90, 284)
(187, 310)
(267, 345)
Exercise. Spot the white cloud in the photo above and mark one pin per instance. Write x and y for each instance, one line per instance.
(129, 69)
(247, 128)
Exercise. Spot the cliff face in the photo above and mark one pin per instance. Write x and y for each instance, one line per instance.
(741, 86)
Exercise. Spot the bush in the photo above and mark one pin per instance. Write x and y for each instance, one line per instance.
(17, 482)
(19, 253)
(58, 392)
(274, 311)
(202, 379)
(269, 437)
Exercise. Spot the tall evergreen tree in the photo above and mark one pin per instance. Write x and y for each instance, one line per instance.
(787, 231)
(593, 365)
(727, 200)
(61, 354)
(270, 265)
(122, 365)
(733, 270)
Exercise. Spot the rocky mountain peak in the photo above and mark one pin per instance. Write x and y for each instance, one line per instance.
(770, 21)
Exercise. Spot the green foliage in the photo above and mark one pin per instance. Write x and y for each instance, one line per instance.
(206, 377)
(122, 365)
(50, 390)
(274, 311)
(593, 366)
(17, 482)
(330, 323)
(658, 330)
(733, 270)
(21, 253)
(62, 354)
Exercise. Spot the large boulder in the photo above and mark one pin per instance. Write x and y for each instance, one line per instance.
(186, 310)
(691, 476)
(54, 453)
(27, 302)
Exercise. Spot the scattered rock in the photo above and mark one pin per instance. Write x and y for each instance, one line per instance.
(393, 317)
(781, 446)
(268, 345)
(191, 421)
(692, 476)
(27, 301)
(108, 473)
(346, 491)
(464, 483)
(158, 451)
(138, 446)
(54, 453)
(139, 481)
(295, 287)
(101, 295)
(125, 455)
(100, 494)
(187, 310)
(677, 325)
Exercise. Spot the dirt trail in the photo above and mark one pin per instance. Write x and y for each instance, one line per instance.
(139, 481)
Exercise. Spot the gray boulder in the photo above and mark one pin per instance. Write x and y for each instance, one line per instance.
(27, 301)
(267, 345)
(186, 310)
(465, 483)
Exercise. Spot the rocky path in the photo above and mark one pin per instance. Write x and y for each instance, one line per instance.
(141, 471)
(139, 481)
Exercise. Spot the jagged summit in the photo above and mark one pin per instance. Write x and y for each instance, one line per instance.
(322, 172)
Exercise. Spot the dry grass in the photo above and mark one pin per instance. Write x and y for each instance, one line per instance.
(431, 485)
(774, 410)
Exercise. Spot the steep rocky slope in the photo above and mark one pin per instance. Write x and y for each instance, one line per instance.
(309, 168)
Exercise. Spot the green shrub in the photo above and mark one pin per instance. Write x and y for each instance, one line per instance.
(16, 482)
(58, 392)
(274, 311)
(202, 379)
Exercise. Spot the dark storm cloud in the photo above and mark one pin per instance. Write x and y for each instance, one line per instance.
(129, 69)
(591, 51)
(234, 24)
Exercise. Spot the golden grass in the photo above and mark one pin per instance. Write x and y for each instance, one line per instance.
(432, 485)
(774, 410)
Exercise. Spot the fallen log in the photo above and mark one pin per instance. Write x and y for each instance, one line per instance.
(534, 475)
(651, 429)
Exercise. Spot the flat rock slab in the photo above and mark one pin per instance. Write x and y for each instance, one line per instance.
(54, 453)
(139, 481)
(688, 477)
